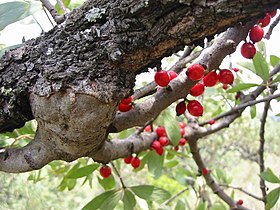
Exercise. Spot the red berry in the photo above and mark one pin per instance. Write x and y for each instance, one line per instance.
(172, 75)
(160, 131)
(256, 33)
(211, 122)
(235, 69)
(225, 76)
(182, 141)
(204, 171)
(210, 79)
(127, 100)
(195, 72)
(156, 145)
(162, 78)
(160, 151)
(148, 128)
(135, 162)
(105, 171)
(176, 148)
(163, 140)
(182, 124)
(225, 86)
(197, 89)
(182, 130)
(237, 96)
(273, 13)
(195, 108)
(239, 202)
(265, 21)
(181, 108)
(127, 160)
(124, 107)
(248, 50)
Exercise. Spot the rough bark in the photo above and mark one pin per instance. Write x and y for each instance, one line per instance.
(72, 78)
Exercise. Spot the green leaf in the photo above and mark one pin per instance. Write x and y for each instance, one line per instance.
(151, 193)
(128, 200)
(219, 206)
(180, 205)
(83, 171)
(269, 176)
(272, 197)
(108, 183)
(253, 111)
(171, 164)
(111, 203)
(172, 129)
(247, 65)
(155, 164)
(274, 60)
(240, 87)
(261, 48)
(98, 201)
(278, 115)
(277, 79)
(11, 12)
(261, 66)
(201, 206)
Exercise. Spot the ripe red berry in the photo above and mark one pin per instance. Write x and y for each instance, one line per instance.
(156, 145)
(210, 79)
(225, 86)
(265, 21)
(105, 171)
(235, 69)
(181, 108)
(160, 131)
(211, 122)
(239, 202)
(135, 162)
(256, 33)
(127, 160)
(162, 78)
(124, 107)
(195, 108)
(176, 148)
(127, 100)
(172, 75)
(160, 151)
(163, 140)
(273, 13)
(248, 50)
(148, 128)
(204, 171)
(226, 76)
(182, 130)
(182, 141)
(197, 89)
(195, 72)
(182, 124)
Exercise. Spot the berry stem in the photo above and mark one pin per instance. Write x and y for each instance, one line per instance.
(119, 175)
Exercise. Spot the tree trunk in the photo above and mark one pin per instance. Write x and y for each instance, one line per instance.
(71, 78)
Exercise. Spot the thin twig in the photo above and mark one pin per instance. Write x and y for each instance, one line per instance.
(175, 196)
(47, 14)
(119, 175)
(242, 190)
(38, 23)
(272, 26)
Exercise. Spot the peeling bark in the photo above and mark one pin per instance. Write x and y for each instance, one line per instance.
(71, 78)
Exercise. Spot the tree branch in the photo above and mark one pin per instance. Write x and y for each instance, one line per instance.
(58, 18)
(271, 27)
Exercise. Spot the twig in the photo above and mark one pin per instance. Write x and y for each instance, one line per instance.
(242, 190)
(47, 14)
(61, 5)
(175, 196)
(118, 173)
(38, 23)
(58, 18)
(272, 26)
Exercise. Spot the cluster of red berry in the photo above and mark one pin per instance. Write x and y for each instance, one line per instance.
(126, 104)
(256, 33)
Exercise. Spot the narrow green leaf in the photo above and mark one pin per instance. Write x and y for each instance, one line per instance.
(241, 87)
(269, 176)
(247, 65)
(180, 205)
(261, 66)
(96, 202)
(83, 171)
(108, 183)
(172, 129)
(253, 111)
(155, 164)
(274, 60)
(129, 200)
(171, 164)
(111, 203)
(151, 193)
(261, 48)
(272, 197)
